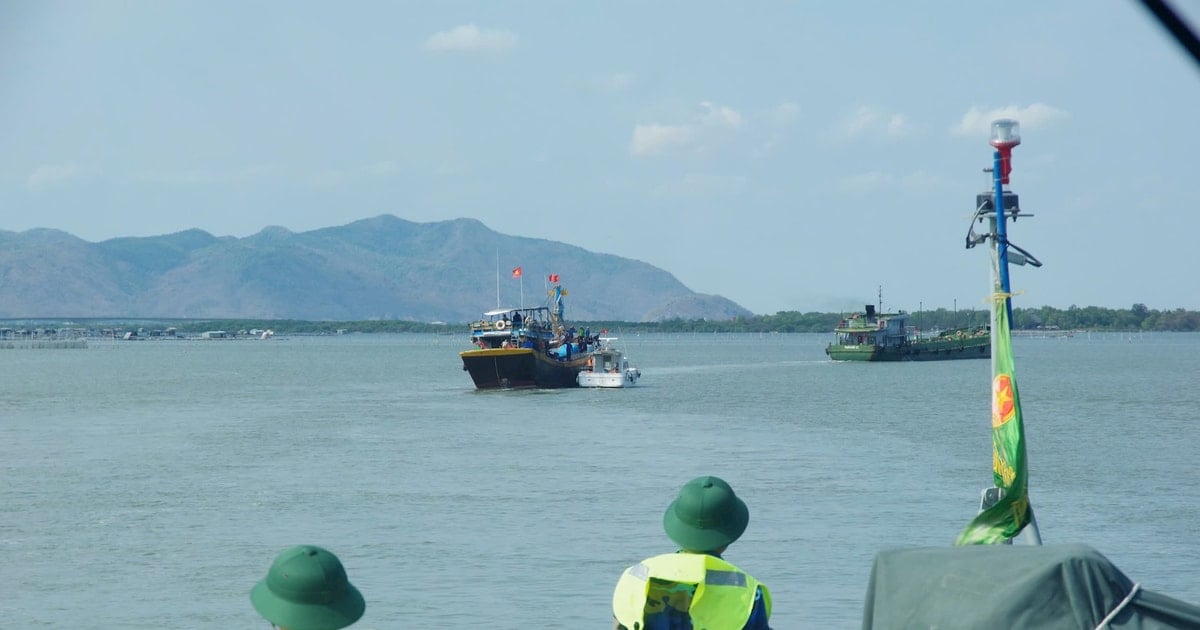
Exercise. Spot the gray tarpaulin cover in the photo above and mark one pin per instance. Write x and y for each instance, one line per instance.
(1012, 586)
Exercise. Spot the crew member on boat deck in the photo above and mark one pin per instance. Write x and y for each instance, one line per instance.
(306, 589)
(695, 587)
(516, 319)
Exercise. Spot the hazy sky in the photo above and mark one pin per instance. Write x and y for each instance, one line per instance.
(788, 156)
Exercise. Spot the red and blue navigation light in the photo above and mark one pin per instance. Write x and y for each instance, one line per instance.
(1006, 134)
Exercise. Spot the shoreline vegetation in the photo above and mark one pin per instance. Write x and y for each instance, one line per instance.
(1045, 320)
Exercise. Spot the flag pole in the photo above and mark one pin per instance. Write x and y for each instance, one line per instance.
(1005, 511)
(1001, 166)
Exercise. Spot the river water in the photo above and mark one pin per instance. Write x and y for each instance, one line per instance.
(149, 484)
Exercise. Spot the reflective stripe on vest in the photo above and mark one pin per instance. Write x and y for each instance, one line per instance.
(725, 578)
(723, 597)
(640, 571)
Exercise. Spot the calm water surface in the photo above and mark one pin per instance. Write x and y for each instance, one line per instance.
(149, 484)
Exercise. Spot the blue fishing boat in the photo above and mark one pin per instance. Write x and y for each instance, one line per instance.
(521, 348)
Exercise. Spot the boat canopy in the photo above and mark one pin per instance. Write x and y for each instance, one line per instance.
(506, 311)
(1013, 586)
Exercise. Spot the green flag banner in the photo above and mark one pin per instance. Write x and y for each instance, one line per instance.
(1008, 516)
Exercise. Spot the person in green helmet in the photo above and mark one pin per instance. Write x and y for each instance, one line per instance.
(306, 589)
(695, 587)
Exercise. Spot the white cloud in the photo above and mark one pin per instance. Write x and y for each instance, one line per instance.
(874, 121)
(858, 122)
(720, 116)
(703, 126)
(767, 147)
(51, 175)
(778, 119)
(655, 139)
(786, 114)
(898, 125)
(469, 38)
(978, 121)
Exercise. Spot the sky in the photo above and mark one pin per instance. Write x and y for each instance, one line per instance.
(790, 156)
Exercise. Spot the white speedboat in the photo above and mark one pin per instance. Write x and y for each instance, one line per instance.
(608, 367)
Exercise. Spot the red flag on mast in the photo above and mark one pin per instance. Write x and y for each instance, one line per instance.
(517, 272)
(553, 277)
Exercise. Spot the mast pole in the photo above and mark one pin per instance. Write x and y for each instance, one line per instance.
(1001, 166)
(1000, 229)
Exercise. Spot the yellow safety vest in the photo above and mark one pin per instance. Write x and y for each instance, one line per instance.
(722, 600)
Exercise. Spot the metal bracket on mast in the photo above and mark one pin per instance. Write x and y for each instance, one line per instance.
(985, 210)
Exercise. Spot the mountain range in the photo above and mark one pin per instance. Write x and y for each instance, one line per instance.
(378, 268)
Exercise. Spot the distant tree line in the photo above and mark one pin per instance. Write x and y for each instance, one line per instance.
(1136, 318)
(303, 327)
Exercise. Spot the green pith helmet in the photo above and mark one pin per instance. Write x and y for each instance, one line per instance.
(306, 589)
(706, 515)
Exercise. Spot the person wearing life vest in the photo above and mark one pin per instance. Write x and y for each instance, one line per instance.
(306, 589)
(695, 588)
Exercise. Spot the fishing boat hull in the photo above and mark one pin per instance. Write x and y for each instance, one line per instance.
(527, 347)
(877, 336)
(520, 368)
(977, 348)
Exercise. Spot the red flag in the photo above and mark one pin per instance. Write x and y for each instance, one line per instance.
(553, 277)
(517, 272)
